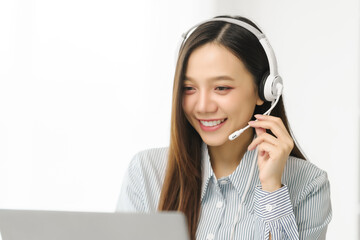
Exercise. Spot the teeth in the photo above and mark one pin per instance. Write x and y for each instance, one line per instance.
(211, 123)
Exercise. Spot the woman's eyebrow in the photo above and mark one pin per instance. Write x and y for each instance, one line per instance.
(217, 78)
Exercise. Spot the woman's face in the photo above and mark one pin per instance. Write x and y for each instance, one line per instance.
(219, 93)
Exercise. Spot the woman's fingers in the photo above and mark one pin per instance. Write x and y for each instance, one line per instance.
(276, 126)
(262, 138)
(260, 131)
(273, 150)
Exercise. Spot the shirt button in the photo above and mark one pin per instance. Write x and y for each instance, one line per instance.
(223, 182)
(210, 236)
(219, 204)
(269, 207)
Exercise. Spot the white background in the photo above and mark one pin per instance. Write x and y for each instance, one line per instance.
(84, 85)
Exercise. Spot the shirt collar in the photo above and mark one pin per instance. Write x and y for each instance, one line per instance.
(238, 178)
(208, 172)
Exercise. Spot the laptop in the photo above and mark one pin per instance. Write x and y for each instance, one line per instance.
(59, 225)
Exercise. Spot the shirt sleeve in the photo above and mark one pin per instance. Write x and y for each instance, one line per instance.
(274, 214)
(313, 211)
(308, 220)
(132, 194)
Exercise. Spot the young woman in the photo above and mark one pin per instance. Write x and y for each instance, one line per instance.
(220, 86)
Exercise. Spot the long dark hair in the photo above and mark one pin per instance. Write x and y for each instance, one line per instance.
(181, 190)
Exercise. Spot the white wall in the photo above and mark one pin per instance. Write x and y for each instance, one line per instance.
(84, 85)
(317, 46)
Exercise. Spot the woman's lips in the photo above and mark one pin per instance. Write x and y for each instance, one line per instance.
(204, 124)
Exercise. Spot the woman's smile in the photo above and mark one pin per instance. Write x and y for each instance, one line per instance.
(212, 125)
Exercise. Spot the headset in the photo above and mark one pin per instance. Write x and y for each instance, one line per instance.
(271, 84)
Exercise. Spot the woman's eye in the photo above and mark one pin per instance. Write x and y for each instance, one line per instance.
(223, 88)
(188, 90)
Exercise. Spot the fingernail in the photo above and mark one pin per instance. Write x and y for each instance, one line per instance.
(258, 115)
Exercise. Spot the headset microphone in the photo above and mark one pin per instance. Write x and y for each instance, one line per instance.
(238, 133)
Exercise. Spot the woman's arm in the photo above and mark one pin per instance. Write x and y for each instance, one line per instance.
(274, 215)
(308, 220)
(313, 210)
(273, 208)
(131, 196)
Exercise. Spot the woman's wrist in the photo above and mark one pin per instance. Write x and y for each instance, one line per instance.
(271, 187)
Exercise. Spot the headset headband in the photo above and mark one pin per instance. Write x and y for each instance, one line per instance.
(259, 35)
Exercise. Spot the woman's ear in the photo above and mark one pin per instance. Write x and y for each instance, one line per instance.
(259, 102)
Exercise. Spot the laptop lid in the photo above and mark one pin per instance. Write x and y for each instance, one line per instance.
(58, 225)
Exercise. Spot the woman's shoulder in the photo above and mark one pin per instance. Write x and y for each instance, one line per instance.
(303, 178)
(297, 167)
(143, 181)
(150, 161)
(151, 156)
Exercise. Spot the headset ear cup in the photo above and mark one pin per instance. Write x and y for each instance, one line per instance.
(262, 86)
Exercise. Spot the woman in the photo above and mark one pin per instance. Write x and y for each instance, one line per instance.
(219, 86)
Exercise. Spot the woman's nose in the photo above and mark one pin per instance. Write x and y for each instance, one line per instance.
(205, 103)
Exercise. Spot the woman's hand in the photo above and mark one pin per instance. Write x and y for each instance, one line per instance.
(273, 152)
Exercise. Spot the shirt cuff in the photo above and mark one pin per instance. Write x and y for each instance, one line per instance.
(270, 206)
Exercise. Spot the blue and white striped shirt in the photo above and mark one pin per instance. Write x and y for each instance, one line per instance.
(301, 209)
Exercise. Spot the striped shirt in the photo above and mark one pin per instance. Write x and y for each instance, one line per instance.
(301, 209)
